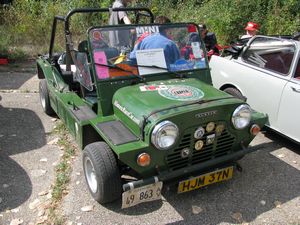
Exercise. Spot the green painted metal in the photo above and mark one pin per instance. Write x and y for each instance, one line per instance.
(140, 110)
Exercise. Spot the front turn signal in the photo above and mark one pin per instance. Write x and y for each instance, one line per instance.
(143, 159)
(255, 129)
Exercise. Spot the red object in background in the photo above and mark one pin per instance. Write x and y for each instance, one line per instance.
(252, 26)
(192, 28)
(3, 61)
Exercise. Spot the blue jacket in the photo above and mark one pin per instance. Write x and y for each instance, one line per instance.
(155, 41)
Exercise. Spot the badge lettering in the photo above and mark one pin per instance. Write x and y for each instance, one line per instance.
(206, 114)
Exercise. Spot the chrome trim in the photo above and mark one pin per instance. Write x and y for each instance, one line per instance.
(236, 111)
(158, 127)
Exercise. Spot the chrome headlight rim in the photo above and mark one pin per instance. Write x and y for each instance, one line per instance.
(158, 128)
(236, 116)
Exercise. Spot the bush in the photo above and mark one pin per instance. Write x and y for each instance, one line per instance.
(228, 18)
(28, 23)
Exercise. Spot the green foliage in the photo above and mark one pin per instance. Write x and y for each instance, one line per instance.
(28, 22)
(228, 18)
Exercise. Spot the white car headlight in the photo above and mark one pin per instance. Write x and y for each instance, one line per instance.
(164, 135)
(241, 116)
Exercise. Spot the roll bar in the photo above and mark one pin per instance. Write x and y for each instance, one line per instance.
(66, 19)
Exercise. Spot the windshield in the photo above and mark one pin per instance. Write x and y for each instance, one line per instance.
(145, 49)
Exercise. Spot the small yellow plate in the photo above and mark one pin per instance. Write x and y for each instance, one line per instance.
(205, 179)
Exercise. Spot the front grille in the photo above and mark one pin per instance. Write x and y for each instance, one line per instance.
(174, 160)
(220, 147)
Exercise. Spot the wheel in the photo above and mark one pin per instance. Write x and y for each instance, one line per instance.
(101, 172)
(235, 92)
(44, 98)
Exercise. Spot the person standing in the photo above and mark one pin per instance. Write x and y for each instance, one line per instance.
(159, 40)
(209, 39)
(119, 38)
(251, 29)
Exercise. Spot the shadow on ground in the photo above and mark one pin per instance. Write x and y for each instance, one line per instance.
(264, 181)
(21, 130)
(15, 184)
(282, 140)
(14, 75)
(265, 178)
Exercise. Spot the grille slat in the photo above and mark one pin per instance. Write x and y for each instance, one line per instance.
(175, 163)
(221, 146)
(224, 145)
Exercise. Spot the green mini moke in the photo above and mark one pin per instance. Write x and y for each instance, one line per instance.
(139, 101)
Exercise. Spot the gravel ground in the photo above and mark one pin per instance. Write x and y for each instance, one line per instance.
(26, 160)
(266, 192)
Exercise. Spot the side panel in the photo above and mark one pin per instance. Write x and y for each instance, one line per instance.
(288, 115)
(263, 90)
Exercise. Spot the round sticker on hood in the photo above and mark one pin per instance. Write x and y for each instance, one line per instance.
(181, 93)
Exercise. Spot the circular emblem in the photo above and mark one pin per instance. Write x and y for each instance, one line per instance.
(199, 145)
(219, 129)
(199, 133)
(181, 93)
(185, 152)
(210, 126)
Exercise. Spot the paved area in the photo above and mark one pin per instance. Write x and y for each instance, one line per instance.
(26, 160)
(266, 192)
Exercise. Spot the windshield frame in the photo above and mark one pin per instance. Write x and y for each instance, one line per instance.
(153, 75)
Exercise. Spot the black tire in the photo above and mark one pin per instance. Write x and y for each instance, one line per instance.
(44, 98)
(236, 93)
(101, 172)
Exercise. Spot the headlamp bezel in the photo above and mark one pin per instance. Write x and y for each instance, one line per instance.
(158, 128)
(236, 113)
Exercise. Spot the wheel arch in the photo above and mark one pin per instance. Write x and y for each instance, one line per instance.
(44, 68)
(224, 86)
(40, 72)
(240, 95)
(90, 135)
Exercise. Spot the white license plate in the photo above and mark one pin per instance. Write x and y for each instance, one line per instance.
(146, 193)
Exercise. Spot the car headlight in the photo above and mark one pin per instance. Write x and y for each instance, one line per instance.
(241, 116)
(164, 135)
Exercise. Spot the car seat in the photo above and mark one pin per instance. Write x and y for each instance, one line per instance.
(275, 63)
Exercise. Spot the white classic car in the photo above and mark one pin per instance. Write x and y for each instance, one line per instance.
(266, 74)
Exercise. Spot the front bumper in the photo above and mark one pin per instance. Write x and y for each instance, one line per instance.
(211, 164)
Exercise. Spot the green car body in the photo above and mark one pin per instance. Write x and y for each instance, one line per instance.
(123, 112)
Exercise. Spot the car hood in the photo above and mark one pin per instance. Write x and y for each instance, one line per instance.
(134, 104)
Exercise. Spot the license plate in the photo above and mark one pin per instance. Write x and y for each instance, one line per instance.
(146, 193)
(205, 179)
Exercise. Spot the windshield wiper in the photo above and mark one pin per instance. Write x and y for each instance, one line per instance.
(178, 75)
(142, 79)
